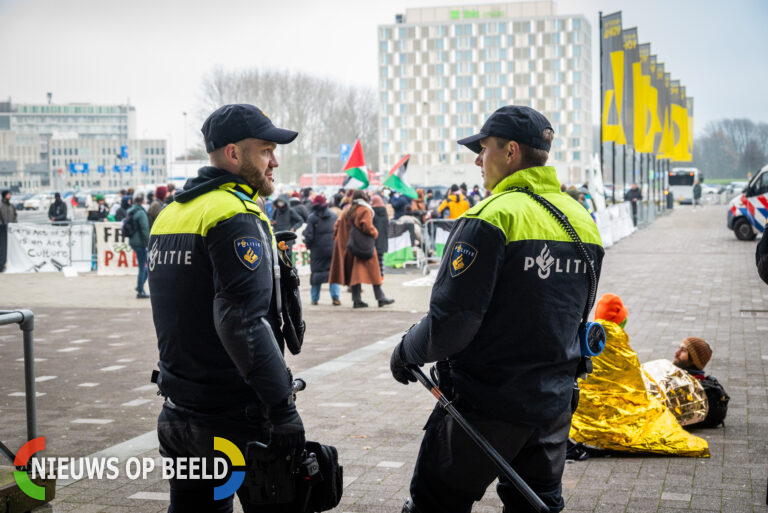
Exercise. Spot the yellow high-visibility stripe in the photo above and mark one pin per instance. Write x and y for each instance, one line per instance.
(203, 213)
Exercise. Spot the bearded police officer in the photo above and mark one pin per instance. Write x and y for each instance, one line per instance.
(214, 306)
(502, 323)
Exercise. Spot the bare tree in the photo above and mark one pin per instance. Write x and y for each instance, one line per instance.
(325, 113)
(731, 148)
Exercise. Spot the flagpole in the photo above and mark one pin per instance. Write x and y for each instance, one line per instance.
(600, 40)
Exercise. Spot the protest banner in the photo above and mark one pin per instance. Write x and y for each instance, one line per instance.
(114, 255)
(45, 248)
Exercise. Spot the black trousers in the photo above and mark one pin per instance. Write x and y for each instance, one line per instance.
(452, 472)
(184, 433)
(3, 245)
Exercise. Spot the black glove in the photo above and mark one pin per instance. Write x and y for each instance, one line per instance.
(287, 430)
(398, 366)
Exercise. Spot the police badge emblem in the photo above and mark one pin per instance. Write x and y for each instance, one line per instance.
(462, 256)
(249, 251)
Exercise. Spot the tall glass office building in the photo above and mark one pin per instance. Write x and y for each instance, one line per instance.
(444, 70)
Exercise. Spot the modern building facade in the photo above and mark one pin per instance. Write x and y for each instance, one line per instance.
(444, 70)
(106, 163)
(79, 144)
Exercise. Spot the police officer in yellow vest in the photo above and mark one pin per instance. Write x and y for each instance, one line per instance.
(502, 323)
(214, 306)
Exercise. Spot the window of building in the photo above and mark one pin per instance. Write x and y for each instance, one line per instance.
(575, 142)
(576, 24)
(576, 155)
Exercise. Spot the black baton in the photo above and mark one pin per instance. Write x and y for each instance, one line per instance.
(504, 467)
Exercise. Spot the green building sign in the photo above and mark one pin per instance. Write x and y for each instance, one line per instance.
(469, 14)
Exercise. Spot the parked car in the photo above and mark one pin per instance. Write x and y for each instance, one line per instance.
(19, 199)
(736, 187)
(39, 201)
(711, 188)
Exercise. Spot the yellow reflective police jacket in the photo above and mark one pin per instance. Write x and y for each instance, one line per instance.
(508, 300)
(211, 280)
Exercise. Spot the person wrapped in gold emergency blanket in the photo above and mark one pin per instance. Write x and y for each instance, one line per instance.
(615, 411)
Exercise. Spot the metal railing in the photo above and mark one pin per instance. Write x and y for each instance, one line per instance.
(429, 241)
(26, 321)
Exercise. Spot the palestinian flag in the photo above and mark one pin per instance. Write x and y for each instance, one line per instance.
(355, 168)
(396, 179)
(399, 244)
(442, 231)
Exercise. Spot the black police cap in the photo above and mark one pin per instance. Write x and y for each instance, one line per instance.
(233, 123)
(522, 124)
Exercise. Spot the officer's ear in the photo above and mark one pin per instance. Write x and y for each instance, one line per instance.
(232, 153)
(513, 150)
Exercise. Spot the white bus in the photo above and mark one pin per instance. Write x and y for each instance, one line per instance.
(681, 180)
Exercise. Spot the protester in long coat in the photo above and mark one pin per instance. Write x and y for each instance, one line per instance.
(419, 206)
(381, 222)
(318, 236)
(348, 269)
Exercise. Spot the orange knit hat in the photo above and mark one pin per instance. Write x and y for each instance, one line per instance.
(611, 308)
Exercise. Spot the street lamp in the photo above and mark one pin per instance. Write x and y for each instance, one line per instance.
(184, 151)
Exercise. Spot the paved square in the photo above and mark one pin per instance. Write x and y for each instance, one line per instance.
(684, 275)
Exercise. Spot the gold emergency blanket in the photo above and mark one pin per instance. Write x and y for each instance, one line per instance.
(616, 412)
(681, 392)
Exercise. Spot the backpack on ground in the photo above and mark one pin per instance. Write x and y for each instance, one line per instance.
(129, 229)
(718, 402)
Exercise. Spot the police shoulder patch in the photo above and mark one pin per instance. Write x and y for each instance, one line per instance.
(463, 255)
(250, 251)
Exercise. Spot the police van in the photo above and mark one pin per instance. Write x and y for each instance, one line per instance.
(747, 212)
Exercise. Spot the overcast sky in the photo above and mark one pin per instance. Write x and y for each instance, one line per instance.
(154, 53)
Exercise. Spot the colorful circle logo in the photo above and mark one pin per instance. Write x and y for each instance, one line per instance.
(237, 460)
(21, 476)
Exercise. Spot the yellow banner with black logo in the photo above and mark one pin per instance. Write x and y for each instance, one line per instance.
(612, 71)
(689, 111)
(679, 118)
(646, 104)
(632, 86)
(660, 80)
